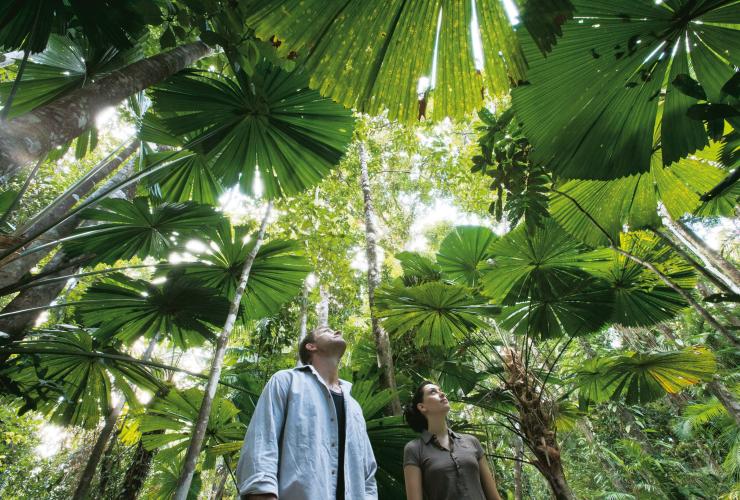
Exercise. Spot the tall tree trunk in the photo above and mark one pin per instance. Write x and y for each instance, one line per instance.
(29, 137)
(718, 389)
(382, 341)
(302, 321)
(219, 487)
(59, 265)
(614, 476)
(100, 444)
(12, 272)
(518, 490)
(106, 466)
(322, 308)
(711, 258)
(136, 474)
(199, 432)
(537, 424)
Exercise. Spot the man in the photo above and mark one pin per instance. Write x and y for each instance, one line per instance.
(307, 438)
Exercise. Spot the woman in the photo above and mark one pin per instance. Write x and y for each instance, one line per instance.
(442, 464)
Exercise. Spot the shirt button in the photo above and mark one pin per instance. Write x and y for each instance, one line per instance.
(333, 472)
(334, 444)
(332, 419)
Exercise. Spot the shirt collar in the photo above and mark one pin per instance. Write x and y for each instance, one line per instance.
(346, 386)
(427, 436)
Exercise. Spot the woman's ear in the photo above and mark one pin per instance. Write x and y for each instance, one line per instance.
(420, 407)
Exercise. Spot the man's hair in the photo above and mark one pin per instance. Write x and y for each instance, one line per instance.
(303, 353)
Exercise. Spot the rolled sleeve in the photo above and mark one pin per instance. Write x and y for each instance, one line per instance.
(257, 470)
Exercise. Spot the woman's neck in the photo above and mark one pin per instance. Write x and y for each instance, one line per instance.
(437, 425)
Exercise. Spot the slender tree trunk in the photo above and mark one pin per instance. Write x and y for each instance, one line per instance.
(518, 490)
(106, 466)
(27, 138)
(199, 432)
(302, 321)
(718, 389)
(59, 265)
(220, 485)
(537, 424)
(104, 437)
(707, 273)
(12, 272)
(137, 472)
(727, 271)
(382, 341)
(322, 308)
(614, 476)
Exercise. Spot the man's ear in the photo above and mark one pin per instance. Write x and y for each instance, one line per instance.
(311, 346)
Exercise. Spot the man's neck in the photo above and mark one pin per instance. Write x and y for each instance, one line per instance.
(328, 368)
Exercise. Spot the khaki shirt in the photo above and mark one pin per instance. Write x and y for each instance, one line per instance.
(447, 474)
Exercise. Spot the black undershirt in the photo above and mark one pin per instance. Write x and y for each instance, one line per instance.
(341, 424)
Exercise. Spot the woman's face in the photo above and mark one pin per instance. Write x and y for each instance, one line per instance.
(434, 401)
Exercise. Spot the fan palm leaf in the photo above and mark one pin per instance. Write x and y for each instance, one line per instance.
(642, 378)
(463, 250)
(436, 313)
(70, 386)
(640, 297)
(64, 65)
(276, 129)
(170, 421)
(632, 201)
(417, 268)
(165, 479)
(593, 104)
(277, 274)
(543, 261)
(127, 309)
(370, 56)
(128, 229)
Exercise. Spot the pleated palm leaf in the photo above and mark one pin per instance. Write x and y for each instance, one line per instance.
(276, 129)
(180, 308)
(189, 176)
(128, 229)
(61, 377)
(633, 201)
(30, 23)
(371, 56)
(418, 269)
(277, 274)
(65, 64)
(641, 378)
(462, 251)
(593, 104)
(436, 313)
(169, 421)
(164, 481)
(640, 297)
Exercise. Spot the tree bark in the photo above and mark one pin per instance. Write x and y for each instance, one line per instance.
(518, 490)
(199, 432)
(12, 272)
(322, 308)
(718, 389)
(137, 472)
(104, 437)
(27, 138)
(727, 271)
(382, 341)
(59, 265)
(537, 424)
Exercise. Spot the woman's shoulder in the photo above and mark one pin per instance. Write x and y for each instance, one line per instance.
(414, 444)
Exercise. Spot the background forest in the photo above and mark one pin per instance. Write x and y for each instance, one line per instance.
(534, 203)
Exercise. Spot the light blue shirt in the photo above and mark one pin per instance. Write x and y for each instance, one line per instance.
(297, 404)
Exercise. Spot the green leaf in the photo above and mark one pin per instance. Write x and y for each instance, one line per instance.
(276, 129)
(180, 308)
(593, 105)
(165, 479)
(418, 269)
(65, 64)
(543, 20)
(388, 437)
(171, 420)
(631, 201)
(167, 40)
(543, 261)
(435, 313)
(712, 111)
(70, 387)
(188, 178)
(370, 56)
(276, 277)
(642, 378)
(689, 86)
(640, 297)
(463, 251)
(135, 228)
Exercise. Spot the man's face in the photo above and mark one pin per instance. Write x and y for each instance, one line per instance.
(328, 342)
